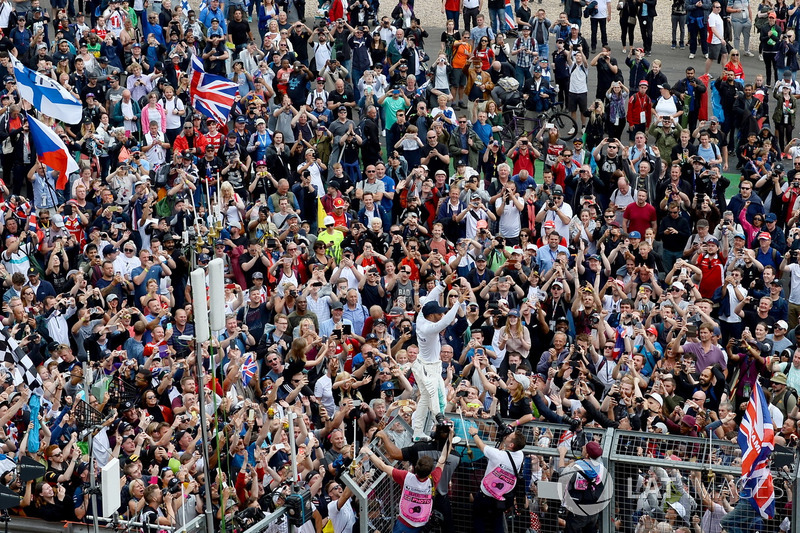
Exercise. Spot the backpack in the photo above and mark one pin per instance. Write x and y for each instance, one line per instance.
(590, 10)
(508, 83)
(586, 487)
(788, 394)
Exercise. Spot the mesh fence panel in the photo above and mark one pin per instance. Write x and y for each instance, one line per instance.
(649, 473)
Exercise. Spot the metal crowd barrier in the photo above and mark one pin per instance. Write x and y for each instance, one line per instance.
(630, 456)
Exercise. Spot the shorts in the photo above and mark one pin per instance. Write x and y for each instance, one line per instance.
(459, 78)
(715, 51)
(576, 100)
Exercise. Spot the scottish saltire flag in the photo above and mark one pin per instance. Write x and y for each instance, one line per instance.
(51, 150)
(212, 95)
(510, 22)
(249, 369)
(757, 440)
(47, 95)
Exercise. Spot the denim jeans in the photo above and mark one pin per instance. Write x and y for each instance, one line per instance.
(742, 519)
(453, 15)
(497, 20)
(544, 50)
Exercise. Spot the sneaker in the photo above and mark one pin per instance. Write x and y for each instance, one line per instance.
(748, 53)
(691, 56)
(383, 133)
(672, 47)
(705, 55)
(571, 132)
(682, 47)
(624, 51)
(761, 57)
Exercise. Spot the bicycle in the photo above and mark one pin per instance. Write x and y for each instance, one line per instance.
(515, 123)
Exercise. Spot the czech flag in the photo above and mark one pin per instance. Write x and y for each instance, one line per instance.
(757, 440)
(52, 152)
(510, 22)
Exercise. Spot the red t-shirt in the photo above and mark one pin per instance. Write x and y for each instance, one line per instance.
(639, 218)
(399, 476)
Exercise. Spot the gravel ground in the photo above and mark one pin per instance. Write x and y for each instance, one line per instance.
(430, 14)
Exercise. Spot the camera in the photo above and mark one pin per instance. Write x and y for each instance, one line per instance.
(503, 429)
(551, 204)
(594, 319)
(462, 394)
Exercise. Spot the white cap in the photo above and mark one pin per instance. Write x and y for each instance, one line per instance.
(678, 285)
(523, 380)
(781, 324)
(328, 220)
(657, 397)
(680, 509)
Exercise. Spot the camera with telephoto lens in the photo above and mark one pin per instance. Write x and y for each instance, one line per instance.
(551, 204)
(594, 319)
(503, 429)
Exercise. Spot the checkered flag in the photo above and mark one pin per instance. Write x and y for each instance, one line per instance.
(120, 391)
(86, 416)
(23, 370)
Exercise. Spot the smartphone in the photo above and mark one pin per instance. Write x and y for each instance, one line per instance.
(402, 403)
(356, 403)
(691, 330)
(347, 329)
(251, 415)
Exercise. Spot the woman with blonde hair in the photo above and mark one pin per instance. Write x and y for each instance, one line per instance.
(515, 337)
(514, 388)
(595, 125)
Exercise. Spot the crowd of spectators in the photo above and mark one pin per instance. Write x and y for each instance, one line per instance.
(599, 282)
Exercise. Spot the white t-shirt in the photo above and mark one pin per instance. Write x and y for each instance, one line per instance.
(794, 287)
(173, 120)
(715, 23)
(499, 466)
(602, 10)
(561, 228)
(510, 220)
(733, 318)
(343, 519)
(578, 79)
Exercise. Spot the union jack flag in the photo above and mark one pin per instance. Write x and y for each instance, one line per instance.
(212, 95)
(756, 440)
(249, 369)
(510, 22)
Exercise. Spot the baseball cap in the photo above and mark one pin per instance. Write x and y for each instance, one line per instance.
(328, 221)
(770, 217)
(635, 235)
(764, 235)
(432, 308)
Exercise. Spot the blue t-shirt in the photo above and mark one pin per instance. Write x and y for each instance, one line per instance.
(155, 273)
